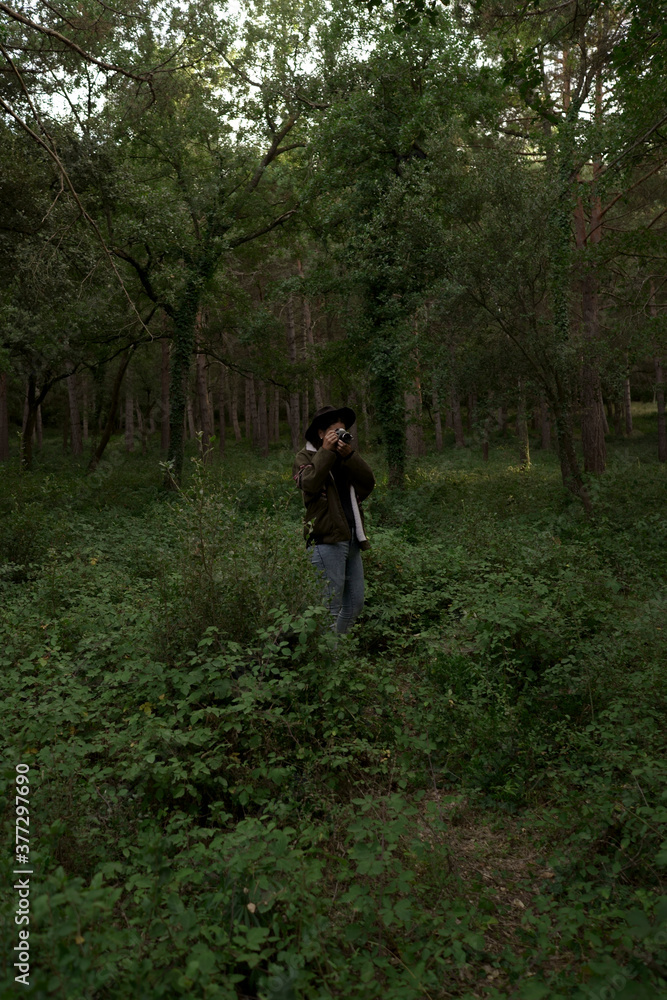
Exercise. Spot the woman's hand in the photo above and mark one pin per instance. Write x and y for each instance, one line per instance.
(332, 442)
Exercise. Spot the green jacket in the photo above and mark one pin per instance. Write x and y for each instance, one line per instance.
(324, 520)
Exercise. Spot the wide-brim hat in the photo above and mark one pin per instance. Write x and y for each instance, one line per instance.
(326, 416)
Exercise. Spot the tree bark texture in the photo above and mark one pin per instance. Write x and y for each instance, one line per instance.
(192, 427)
(414, 434)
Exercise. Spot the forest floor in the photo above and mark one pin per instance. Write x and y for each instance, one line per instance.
(464, 799)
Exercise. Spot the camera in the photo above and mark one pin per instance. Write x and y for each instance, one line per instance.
(344, 435)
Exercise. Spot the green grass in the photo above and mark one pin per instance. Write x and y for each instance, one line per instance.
(465, 799)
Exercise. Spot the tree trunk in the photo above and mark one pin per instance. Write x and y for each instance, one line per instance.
(222, 397)
(618, 417)
(247, 411)
(143, 429)
(437, 418)
(263, 421)
(181, 352)
(26, 409)
(29, 422)
(351, 401)
(365, 421)
(502, 421)
(457, 423)
(129, 416)
(274, 422)
(39, 428)
(605, 415)
(309, 343)
(84, 406)
(414, 436)
(659, 391)
(252, 403)
(567, 456)
(522, 430)
(113, 410)
(292, 407)
(592, 423)
(472, 407)
(235, 406)
(192, 428)
(164, 395)
(536, 420)
(592, 415)
(65, 429)
(545, 424)
(305, 417)
(628, 408)
(75, 421)
(4, 419)
(486, 430)
(660, 398)
(204, 410)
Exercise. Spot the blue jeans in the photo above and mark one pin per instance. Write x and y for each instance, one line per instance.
(340, 564)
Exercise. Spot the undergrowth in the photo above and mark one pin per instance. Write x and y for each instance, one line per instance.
(463, 798)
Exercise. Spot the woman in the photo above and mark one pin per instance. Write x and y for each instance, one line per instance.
(334, 480)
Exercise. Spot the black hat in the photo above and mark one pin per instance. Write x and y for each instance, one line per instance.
(327, 416)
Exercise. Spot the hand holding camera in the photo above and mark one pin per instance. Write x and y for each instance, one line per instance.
(339, 440)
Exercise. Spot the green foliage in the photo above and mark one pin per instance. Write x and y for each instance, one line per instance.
(463, 797)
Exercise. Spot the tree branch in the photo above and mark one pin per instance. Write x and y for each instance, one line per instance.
(15, 15)
(261, 232)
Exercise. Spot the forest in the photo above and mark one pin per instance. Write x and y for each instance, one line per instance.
(215, 219)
